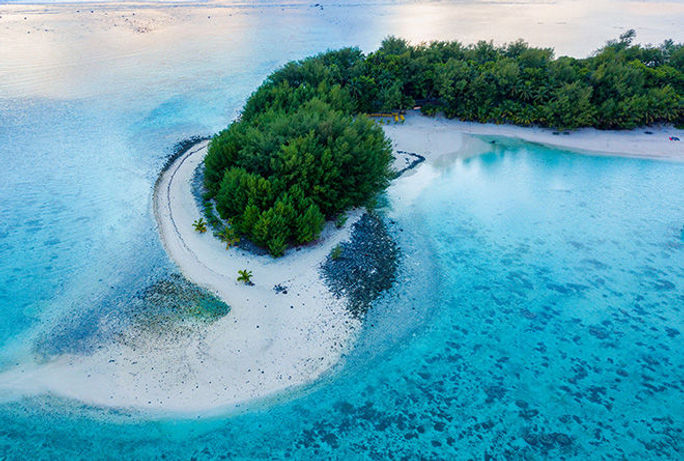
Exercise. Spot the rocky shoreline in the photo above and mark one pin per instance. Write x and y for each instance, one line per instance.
(366, 266)
(411, 160)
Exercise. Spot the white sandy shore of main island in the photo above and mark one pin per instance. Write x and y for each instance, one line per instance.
(270, 342)
(437, 137)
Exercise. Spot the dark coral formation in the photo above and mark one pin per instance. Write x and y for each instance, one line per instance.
(366, 265)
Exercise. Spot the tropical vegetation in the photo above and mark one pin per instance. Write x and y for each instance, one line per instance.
(245, 276)
(303, 152)
(200, 225)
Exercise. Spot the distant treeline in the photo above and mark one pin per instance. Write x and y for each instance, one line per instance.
(621, 86)
(299, 154)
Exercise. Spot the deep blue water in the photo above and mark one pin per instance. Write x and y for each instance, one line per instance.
(538, 312)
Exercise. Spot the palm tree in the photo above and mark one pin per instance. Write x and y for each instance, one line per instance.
(200, 225)
(245, 276)
(228, 236)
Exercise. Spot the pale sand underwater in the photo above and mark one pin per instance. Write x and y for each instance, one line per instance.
(75, 50)
(271, 341)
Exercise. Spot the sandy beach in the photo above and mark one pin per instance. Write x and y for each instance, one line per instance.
(306, 341)
(270, 342)
(267, 343)
(434, 137)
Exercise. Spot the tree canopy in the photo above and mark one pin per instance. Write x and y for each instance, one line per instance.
(302, 152)
(278, 173)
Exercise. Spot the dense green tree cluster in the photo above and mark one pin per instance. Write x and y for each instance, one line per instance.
(621, 86)
(278, 173)
(301, 153)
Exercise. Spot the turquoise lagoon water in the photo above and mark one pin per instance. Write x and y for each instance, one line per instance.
(538, 312)
(540, 315)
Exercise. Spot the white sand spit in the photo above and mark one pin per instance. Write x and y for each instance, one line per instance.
(266, 344)
(270, 342)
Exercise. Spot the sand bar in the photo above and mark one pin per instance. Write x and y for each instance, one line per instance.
(270, 342)
(267, 343)
(438, 136)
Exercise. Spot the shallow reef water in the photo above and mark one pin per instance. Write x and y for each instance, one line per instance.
(536, 309)
(537, 313)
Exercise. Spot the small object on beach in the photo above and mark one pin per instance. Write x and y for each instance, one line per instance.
(280, 289)
(555, 133)
(648, 132)
(674, 138)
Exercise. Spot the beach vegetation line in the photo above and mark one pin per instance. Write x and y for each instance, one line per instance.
(302, 151)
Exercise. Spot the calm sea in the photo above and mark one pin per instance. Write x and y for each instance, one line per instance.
(539, 309)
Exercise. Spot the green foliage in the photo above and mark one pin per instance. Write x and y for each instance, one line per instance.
(282, 172)
(571, 106)
(300, 153)
(336, 252)
(229, 236)
(340, 220)
(200, 225)
(212, 219)
(245, 276)
(309, 224)
(621, 86)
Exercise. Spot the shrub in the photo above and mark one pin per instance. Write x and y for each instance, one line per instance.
(336, 252)
(228, 236)
(340, 220)
(200, 225)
